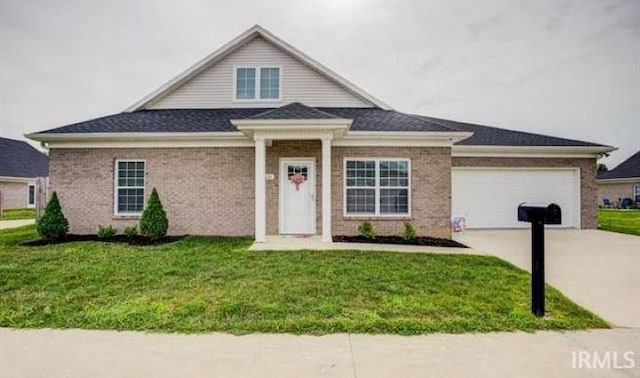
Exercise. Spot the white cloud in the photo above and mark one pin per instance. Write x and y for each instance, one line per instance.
(563, 68)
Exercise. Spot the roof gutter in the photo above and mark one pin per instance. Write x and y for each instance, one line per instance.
(620, 180)
(142, 140)
(17, 179)
(269, 129)
(531, 151)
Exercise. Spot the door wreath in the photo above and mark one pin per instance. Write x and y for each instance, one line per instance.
(297, 179)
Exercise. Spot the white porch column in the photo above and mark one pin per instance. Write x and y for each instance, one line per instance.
(260, 191)
(326, 190)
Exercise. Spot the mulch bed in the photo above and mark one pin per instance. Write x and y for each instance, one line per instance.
(134, 240)
(419, 240)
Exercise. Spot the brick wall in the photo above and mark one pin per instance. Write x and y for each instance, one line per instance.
(588, 187)
(204, 190)
(210, 190)
(430, 190)
(14, 195)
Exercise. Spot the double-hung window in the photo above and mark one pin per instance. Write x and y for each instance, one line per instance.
(246, 83)
(377, 187)
(257, 83)
(129, 196)
(636, 193)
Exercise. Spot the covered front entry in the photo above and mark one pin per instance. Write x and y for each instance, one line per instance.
(297, 196)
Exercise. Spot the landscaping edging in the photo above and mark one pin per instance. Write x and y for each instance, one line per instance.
(418, 240)
(138, 240)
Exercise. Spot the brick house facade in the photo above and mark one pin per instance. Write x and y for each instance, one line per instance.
(259, 139)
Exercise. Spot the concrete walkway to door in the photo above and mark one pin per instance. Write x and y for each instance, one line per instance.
(599, 270)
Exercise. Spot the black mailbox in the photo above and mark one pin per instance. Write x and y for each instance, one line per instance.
(547, 213)
(538, 215)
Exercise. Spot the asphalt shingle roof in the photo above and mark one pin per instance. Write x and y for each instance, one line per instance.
(627, 169)
(20, 159)
(208, 120)
(364, 119)
(495, 136)
(294, 110)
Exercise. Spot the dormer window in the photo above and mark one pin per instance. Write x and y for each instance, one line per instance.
(257, 83)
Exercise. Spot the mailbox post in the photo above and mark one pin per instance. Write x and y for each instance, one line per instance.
(538, 215)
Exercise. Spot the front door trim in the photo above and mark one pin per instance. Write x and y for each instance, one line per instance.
(282, 181)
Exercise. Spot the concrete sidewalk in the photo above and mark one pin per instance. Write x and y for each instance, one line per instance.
(78, 353)
(15, 223)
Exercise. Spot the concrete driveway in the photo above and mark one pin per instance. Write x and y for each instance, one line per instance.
(600, 270)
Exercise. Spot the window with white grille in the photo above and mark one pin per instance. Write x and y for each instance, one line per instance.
(377, 187)
(129, 187)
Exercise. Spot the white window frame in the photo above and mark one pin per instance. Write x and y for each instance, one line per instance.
(635, 190)
(116, 187)
(29, 203)
(257, 98)
(377, 188)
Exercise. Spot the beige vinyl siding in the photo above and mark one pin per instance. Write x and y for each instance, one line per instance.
(213, 88)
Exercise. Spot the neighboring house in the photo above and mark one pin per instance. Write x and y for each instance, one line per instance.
(621, 182)
(20, 165)
(258, 138)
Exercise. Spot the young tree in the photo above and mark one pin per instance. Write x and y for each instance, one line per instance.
(53, 225)
(154, 222)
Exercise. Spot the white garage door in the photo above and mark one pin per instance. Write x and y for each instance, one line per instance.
(489, 198)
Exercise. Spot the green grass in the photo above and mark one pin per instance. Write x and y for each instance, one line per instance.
(624, 221)
(202, 284)
(12, 214)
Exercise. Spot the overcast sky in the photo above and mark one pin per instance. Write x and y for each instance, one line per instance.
(565, 68)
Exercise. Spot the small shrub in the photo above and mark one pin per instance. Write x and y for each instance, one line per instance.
(106, 232)
(131, 231)
(409, 232)
(154, 222)
(53, 225)
(367, 230)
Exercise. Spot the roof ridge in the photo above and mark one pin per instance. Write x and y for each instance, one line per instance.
(626, 161)
(629, 168)
(292, 105)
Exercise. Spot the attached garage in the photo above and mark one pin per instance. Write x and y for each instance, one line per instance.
(488, 197)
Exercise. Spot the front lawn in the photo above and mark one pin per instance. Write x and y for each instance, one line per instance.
(202, 284)
(626, 221)
(13, 214)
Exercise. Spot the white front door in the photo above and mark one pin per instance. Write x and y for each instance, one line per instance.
(297, 196)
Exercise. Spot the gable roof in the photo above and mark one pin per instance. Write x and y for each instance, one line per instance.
(20, 159)
(294, 110)
(233, 45)
(495, 136)
(629, 168)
